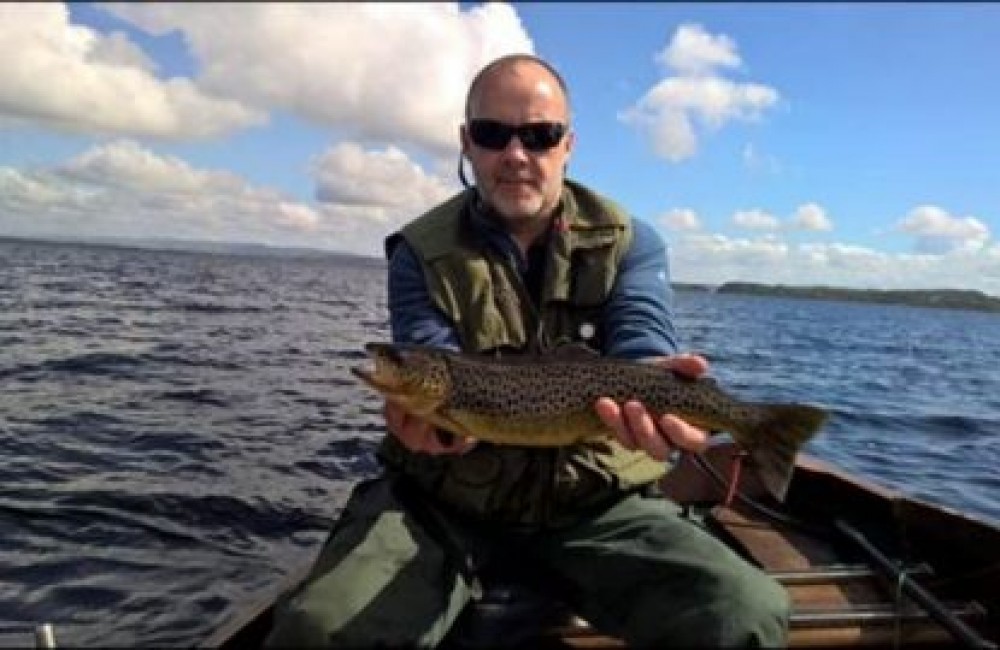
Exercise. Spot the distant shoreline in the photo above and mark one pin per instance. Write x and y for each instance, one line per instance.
(934, 298)
(201, 246)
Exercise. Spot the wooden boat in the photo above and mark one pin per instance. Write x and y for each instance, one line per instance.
(864, 566)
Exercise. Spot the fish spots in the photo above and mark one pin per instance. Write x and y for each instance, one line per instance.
(549, 400)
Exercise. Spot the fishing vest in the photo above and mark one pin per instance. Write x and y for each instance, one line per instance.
(484, 297)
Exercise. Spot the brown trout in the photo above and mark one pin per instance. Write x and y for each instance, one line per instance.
(548, 400)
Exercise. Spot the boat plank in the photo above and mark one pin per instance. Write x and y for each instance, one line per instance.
(774, 547)
(861, 636)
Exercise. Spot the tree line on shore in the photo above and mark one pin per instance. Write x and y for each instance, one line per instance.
(943, 298)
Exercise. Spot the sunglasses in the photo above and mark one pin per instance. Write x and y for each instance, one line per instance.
(534, 136)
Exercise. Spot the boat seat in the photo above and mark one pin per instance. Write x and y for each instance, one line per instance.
(515, 613)
(517, 605)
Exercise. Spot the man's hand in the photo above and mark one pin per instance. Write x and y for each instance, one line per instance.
(636, 428)
(419, 435)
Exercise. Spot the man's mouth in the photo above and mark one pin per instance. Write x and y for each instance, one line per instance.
(516, 182)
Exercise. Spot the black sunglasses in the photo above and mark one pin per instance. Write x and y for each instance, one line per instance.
(534, 136)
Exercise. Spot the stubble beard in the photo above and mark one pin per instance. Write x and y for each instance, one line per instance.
(524, 212)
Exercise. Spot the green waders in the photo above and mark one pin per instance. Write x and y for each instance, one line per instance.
(637, 569)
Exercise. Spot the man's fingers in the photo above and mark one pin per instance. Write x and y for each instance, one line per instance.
(683, 435)
(690, 365)
(638, 421)
(633, 426)
(636, 429)
(645, 432)
(611, 414)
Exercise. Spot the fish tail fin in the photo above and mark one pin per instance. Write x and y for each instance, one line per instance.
(776, 438)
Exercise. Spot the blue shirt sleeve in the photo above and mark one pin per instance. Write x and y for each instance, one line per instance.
(639, 315)
(413, 317)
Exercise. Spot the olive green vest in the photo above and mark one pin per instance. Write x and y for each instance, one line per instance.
(488, 305)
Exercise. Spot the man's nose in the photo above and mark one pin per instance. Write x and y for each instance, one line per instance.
(515, 149)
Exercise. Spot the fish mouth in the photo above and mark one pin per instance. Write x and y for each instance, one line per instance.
(383, 373)
(366, 375)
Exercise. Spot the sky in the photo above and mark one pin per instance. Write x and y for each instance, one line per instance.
(841, 144)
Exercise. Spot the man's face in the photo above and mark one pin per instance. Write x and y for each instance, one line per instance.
(520, 184)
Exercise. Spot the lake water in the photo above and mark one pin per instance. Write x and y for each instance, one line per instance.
(178, 430)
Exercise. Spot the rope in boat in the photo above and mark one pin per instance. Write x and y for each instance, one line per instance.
(737, 494)
(734, 476)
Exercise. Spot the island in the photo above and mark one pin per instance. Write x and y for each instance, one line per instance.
(939, 298)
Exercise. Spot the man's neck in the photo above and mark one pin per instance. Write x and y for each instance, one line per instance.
(530, 231)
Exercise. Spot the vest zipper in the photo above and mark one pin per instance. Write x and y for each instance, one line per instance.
(539, 342)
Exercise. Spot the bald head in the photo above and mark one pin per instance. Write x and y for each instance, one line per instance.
(509, 64)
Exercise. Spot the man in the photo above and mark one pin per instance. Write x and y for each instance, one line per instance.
(523, 262)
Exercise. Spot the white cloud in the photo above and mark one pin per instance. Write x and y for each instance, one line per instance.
(123, 189)
(381, 72)
(811, 216)
(368, 193)
(848, 257)
(126, 165)
(681, 219)
(755, 220)
(808, 216)
(936, 231)
(71, 78)
(19, 190)
(693, 51)
(347, 174)
(377, 71)
(671, 112)
(714, 259)
(115, 50)
(297, 215)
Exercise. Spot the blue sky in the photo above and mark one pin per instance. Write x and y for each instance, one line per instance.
(843, 144)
